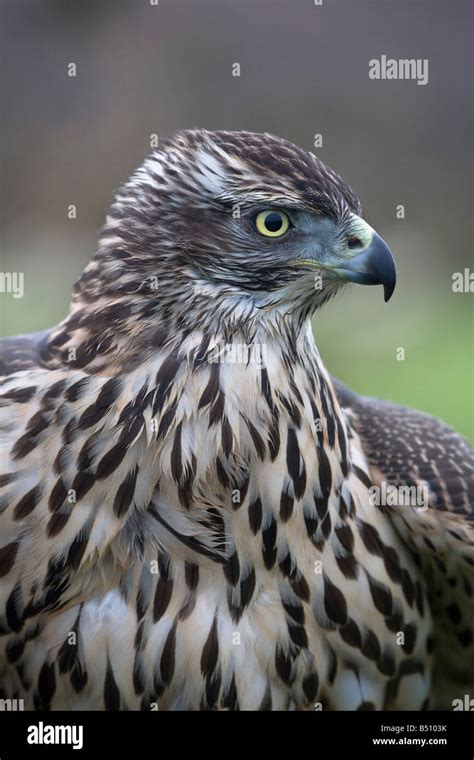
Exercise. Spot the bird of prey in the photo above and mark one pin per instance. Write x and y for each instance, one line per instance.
(188, 517)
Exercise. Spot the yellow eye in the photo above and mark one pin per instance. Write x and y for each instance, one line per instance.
(272, 223)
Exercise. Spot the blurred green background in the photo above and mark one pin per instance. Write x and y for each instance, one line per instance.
(144, 69)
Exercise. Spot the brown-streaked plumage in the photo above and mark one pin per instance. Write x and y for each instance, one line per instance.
(186, 496)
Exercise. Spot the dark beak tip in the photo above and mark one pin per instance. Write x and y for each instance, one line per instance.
(389, 289)
(383, 265)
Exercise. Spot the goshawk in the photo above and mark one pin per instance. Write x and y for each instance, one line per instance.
(188, 511)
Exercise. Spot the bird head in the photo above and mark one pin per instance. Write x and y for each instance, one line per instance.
(237, 221)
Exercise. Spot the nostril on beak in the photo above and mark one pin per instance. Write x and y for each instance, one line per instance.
(354, 243)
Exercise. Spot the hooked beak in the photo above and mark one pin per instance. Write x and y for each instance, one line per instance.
(375, 265)
(357, 255)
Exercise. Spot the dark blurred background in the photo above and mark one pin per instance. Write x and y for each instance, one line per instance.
(144, 69)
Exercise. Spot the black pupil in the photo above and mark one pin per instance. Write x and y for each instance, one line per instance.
(273, 222)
